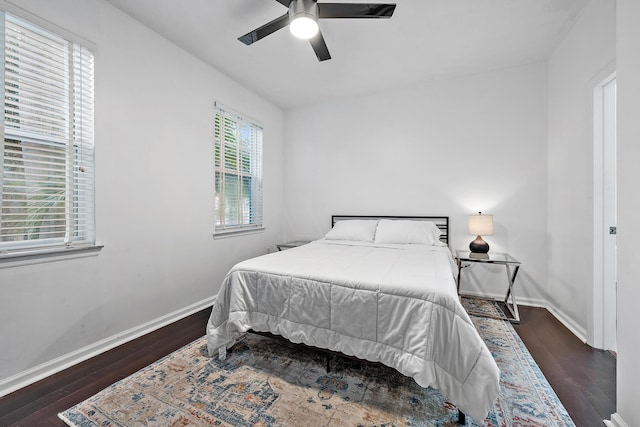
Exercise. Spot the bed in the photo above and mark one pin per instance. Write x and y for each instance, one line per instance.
(377, 288)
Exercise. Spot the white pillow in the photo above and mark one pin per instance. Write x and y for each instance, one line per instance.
(353, 229)
(404, 231)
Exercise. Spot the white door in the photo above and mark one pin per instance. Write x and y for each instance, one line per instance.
(603, 333)
(610, 215)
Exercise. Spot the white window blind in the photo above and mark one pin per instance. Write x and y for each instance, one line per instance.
(238, 172)
(47, 155)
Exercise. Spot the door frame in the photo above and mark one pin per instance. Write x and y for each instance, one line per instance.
(602, 331)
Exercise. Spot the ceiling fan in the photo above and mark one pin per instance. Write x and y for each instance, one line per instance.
(303, 16)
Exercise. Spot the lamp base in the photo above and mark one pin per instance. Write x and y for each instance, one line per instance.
(479, 246)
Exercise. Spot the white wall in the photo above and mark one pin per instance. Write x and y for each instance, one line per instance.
(574, 68)
(628, 79)
(154, 186)
(450, 147)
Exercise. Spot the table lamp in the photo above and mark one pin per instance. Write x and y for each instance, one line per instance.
(480, 225)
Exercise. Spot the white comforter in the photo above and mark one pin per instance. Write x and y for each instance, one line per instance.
(394, 304)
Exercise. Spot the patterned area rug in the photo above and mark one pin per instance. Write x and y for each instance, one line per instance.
(270, 382)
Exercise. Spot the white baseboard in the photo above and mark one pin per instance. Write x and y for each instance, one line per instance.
(30, 376)
(616, 421)
(571, 324)
(566, 320)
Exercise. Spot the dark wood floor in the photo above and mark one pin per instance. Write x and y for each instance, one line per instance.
(583, 378)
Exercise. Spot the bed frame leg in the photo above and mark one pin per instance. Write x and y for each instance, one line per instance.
(462, 419)
(328, 363)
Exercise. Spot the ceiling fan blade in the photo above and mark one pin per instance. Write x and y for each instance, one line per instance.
(265, 30)
(284, 2)
(320, 47)
(355, 10)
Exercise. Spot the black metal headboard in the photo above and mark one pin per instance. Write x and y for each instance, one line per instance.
(442, 222)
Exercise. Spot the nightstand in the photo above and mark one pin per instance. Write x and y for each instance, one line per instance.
(289, 245)
(512, 266)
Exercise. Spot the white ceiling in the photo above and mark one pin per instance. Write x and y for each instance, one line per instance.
(425, 39)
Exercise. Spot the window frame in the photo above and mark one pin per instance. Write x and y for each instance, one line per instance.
(250, 219)
(80, 139)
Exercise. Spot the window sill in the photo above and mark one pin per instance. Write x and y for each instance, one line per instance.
(233, 233)
(42, 255)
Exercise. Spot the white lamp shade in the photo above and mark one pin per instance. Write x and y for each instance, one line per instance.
(481, 225)
(303, 26)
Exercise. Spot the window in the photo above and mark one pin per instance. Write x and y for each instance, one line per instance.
(47, 184)
(238, 173)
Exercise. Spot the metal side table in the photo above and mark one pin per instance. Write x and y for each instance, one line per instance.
(512, 266)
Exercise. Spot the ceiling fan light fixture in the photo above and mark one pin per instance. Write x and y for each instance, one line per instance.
(303, 18)
(303, 27)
